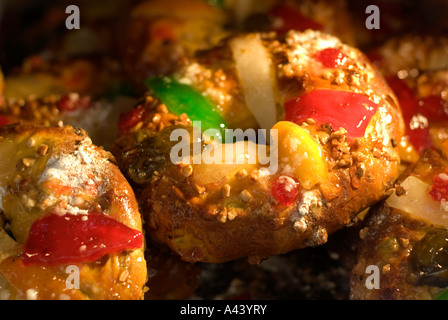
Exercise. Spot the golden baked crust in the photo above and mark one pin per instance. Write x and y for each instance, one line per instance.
(57, 170)
(217, 213)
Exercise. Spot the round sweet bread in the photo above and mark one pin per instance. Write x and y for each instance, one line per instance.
(337, 126)
(70, 226)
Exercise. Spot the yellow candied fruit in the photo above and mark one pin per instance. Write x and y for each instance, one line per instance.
(304, 156)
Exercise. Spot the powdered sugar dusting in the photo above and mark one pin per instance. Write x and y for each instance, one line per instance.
(81, 172)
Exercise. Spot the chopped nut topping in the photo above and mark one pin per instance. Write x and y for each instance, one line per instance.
(404, 242)
(138, 126)
(160, 126)
(20, 166)
(255, 175)
(327, 127)
(187, 170)
(156, 118)
(231, 214)
(199, 188)
(241, 174)
(225, 190)
(323, 137)
(45, 204)
(30, 203)
(178, 192)
(399, 190)
(245, 195)
(24, 184)
(42, 150)
(183, 117)
(394, 142)
(363, 233)
(28, 162)
(310, 121)
(123, 275)
(300, 226)
(17, 178)
(222, 216)
(31, 142)
(162, 108)
(360, 170)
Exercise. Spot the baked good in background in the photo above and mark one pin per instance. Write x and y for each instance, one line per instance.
(159, 35)
(415, 67)
(405, 237)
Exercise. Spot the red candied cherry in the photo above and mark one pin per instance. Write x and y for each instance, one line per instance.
(73, 102)
(349, 110)
(330, 57)
(129, 119)
(286, 190)
(417, 128)
(434, 108)
(439, 188)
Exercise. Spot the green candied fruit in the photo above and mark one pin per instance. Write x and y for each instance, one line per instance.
(181, 98)
(429, 259)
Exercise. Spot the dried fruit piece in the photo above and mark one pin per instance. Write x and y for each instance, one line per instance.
(62, 239)
(330, 57)
(417, 128)
(298, 150)
(181, 98)
(129, 119)
(286, 190)
(341, 109)
(73, 102)
(439, 188)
